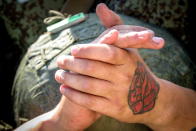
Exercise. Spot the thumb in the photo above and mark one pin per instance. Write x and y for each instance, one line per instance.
(107, 17)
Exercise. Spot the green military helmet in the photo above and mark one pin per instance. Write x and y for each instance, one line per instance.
(35, 90)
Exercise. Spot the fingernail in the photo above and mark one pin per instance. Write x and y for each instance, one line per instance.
(157, 40)
(59, 75)
(63, 88)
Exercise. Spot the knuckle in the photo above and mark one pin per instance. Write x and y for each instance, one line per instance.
(90, 103)
(151, 33)
(136, 35)
(127, 78)
(124, 76)
(111, 55)
(88, 67)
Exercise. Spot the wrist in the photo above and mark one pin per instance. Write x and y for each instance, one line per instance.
(164, 112)
(65, 120)
(72, 117)
(174, 108)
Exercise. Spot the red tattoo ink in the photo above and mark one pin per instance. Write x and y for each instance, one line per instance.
(143, 91)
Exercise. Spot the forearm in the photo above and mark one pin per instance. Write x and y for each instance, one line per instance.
(40, 123)
(59, 118)
(175, 108)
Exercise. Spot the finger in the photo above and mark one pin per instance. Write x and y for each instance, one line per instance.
(107, 17)
(101, 52)
(142, 39)
(87, 67)
(130, 37)
(83, 83)
(107, 37)
(91, 102)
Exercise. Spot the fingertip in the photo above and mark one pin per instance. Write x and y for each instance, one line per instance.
(101, 6)
(110, 38)
(114, 31)
(158, 42)
(101, 10)
(113, 34)
(63, 88)
(107, 17)
(58, 75)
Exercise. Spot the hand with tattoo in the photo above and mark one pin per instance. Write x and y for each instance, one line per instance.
(143, 37)
(140, 37)
(116, 82)
(108, 76)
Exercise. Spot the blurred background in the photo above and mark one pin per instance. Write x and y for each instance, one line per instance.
(21, 23)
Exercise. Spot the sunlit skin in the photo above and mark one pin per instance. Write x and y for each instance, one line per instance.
(76, 117)
(104, 74)
(101, 75)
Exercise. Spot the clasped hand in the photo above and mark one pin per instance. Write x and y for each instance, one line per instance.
(102, 77)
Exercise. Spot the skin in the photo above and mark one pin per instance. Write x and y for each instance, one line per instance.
(76, 116)
(72, 118)
(83, 87)
(132, 36)
(101, 63)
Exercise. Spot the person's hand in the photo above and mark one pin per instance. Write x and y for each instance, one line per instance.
(139, 37)
(108, 80)
(76, 117)
(69, 116)
(130, 36)
(107, 17)
(119, 35)
(127, 36)
(66, 116)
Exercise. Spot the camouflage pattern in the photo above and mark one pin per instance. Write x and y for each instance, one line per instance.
(169, 14)
(24, 21)
(35, 90)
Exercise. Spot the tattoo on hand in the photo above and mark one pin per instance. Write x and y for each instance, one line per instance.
(143, 91)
